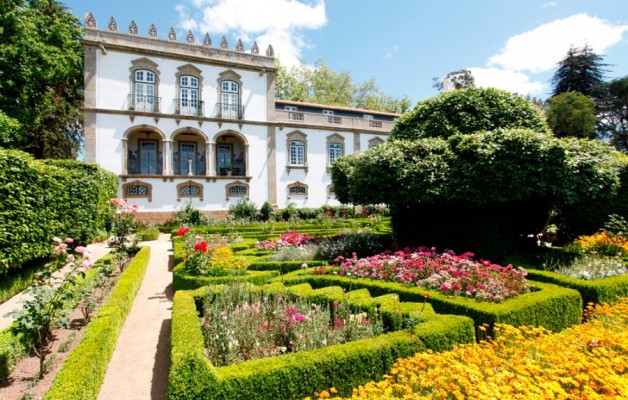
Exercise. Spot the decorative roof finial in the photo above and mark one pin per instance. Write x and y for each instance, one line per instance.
(172, 35)
(269, 51)
(189, 38)
(152, 31)
(254, 48)
(112, 25)
(223, 43)
(239, 46)
(90, 21)
(207, 40)
(132, 28)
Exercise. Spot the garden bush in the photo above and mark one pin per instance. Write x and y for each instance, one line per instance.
(41, 200)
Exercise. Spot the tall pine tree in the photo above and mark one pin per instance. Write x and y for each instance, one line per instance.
(580, 71)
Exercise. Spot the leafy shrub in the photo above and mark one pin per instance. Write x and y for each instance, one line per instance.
(244, 210)
(362, 243)
(290, 212)
(188, 216)
(266, 213)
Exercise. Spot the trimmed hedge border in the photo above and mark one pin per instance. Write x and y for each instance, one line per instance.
(83, 371)
(182, 281)
(595, 291)
(549, 306)
(294, 376)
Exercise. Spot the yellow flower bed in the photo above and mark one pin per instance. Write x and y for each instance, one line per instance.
(587, 361)
(600, 240)
(223, 258)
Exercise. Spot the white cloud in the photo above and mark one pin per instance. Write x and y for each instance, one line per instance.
(550, 4)
(516, 82)
(276, 22)
(391, 51)
(543, 47)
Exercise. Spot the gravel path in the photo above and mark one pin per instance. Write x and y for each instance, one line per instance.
(140, 362)
(98, 250)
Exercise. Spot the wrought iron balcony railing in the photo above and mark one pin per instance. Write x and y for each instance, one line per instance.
(141, 167)
(228, 111)
(138, 102)
(188, 107)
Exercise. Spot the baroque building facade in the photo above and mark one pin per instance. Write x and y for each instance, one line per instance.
(184, 121)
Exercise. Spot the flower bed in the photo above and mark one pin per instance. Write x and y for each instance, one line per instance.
(585, 362)
(448, 273)
(287, 239)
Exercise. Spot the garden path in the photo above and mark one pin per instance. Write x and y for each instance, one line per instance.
(99, 250)
(139, 366)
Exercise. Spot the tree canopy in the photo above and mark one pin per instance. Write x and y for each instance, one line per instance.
(461, 79)
(41, 77)
(572, 114)
(580, 71)
(612, 107)
(467, 111)
(319, 84)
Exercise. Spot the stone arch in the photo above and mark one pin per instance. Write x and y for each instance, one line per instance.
(189, 129)
(230, 132)
(143, 128)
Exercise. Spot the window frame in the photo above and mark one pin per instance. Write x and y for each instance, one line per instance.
(189, 183)
(296, 136)
(139, 65)
(297, 184)
(138, 183)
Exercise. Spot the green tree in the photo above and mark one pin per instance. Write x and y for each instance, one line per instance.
(319, 84)
(10, 131)
(580, 71)
(461, 79)
(612, 107)
(41, 76)
(572, 114)
(467, 111)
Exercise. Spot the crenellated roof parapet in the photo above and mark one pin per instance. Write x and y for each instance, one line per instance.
(112, 27)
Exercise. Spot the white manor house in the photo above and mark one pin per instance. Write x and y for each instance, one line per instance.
(188, 120)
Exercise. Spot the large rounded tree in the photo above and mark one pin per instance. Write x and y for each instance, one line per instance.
(482, 190)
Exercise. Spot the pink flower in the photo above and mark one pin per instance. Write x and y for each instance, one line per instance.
(87, 264)
(57, 239)
(80, 249)
(69, 240)
(338, 322)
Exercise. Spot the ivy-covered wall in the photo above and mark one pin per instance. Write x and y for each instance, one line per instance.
(43, 199)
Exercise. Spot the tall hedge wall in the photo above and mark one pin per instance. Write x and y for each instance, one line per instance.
(42, 199)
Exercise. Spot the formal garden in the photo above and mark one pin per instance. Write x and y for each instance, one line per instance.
(489, 260)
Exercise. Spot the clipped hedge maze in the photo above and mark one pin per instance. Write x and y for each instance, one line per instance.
(294, 376)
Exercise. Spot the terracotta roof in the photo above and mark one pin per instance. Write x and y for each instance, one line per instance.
(330, 107)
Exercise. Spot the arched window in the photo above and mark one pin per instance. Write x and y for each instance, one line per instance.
(297, 189)
(188, 95)
(297, 152)
(335, 151)
(230, 100)
(189, 189)
(144, 90)
(237, 189)
(137, 189)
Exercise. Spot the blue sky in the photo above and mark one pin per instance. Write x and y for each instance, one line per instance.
(403, 44)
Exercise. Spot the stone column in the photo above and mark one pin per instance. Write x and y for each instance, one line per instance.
(271, 169)
(125, 156)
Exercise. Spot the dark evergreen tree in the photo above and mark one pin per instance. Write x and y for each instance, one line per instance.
(580, 71)
(41, 77)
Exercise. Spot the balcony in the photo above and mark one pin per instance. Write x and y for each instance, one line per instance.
(143, 103)
(140, 167)
(228, 111)
(188, 107)
(315, 119)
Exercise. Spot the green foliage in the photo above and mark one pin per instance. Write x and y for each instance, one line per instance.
(148, 234)
(84, 370)
(580, 71)
(611, 99)
(10, 131)
(572, 114)
(12, 349)
(41, 200)
(244, 210)
(266, 213)
(183, 280)
(468, 111)
(323, 86)
(41, 76)
(461, 79)
(188, 216)
(18, 280)
(599, 291)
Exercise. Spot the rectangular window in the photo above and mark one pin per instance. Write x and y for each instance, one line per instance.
(367, 116)
(328, 112)
(290, 108)
(188, 152)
